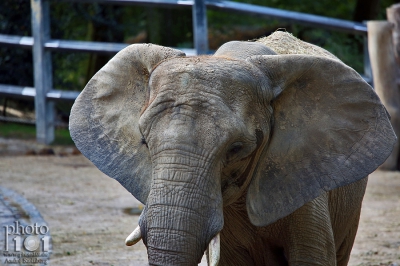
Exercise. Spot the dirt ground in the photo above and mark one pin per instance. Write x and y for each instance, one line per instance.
(89, 214)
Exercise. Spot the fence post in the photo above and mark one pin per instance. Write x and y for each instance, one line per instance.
(200, 27)
(384, 66)
(44, 109)
(367, 60)
(393, 15)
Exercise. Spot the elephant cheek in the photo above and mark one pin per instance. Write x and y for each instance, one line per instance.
(180, 218)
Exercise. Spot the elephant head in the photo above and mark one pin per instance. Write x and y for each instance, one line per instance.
(190, 135)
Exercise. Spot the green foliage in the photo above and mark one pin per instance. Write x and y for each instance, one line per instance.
(15, 64)
(14, 130)
(28, 132)
(62, 137)
(68, 68)
(108, 23)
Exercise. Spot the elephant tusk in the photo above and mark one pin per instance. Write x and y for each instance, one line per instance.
(213, 251)
(134, 237)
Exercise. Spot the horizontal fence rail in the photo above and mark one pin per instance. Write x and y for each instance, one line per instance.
(72, 46)
(291, 16)
(262, 11)
(42, 44)
(30, 93)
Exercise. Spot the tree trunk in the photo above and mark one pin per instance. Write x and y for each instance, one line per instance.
(393, 15)
(381, 52)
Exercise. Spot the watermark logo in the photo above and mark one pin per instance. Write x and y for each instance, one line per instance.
(26, 243)
(29, 236)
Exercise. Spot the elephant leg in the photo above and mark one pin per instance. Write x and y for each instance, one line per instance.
(345, 208)
(343, 253)
(309, 235)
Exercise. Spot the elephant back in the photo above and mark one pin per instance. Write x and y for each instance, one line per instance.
(285, 43)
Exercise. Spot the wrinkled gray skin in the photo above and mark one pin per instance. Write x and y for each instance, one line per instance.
(272, 151)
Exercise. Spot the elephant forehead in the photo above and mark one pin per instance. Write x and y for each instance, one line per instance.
(204, 94)
(211, 87)
(219, 76)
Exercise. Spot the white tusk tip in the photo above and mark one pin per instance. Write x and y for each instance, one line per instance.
(214, 251)
(134, 237)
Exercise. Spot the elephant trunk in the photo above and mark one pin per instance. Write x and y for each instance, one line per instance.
(183, 211)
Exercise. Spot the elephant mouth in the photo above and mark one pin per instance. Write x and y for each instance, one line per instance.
(213, 251)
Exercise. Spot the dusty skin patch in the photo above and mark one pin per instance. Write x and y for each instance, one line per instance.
(86, 212)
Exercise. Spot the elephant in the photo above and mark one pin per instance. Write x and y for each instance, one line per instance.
(257, 155)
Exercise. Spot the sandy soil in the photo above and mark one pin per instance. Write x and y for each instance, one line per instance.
(89, 213)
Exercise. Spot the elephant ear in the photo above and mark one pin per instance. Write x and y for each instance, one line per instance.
(329, 129)
(104, 118)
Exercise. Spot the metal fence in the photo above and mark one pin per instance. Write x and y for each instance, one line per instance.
(42, 46)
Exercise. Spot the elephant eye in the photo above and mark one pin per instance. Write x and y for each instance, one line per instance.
(234, 150)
